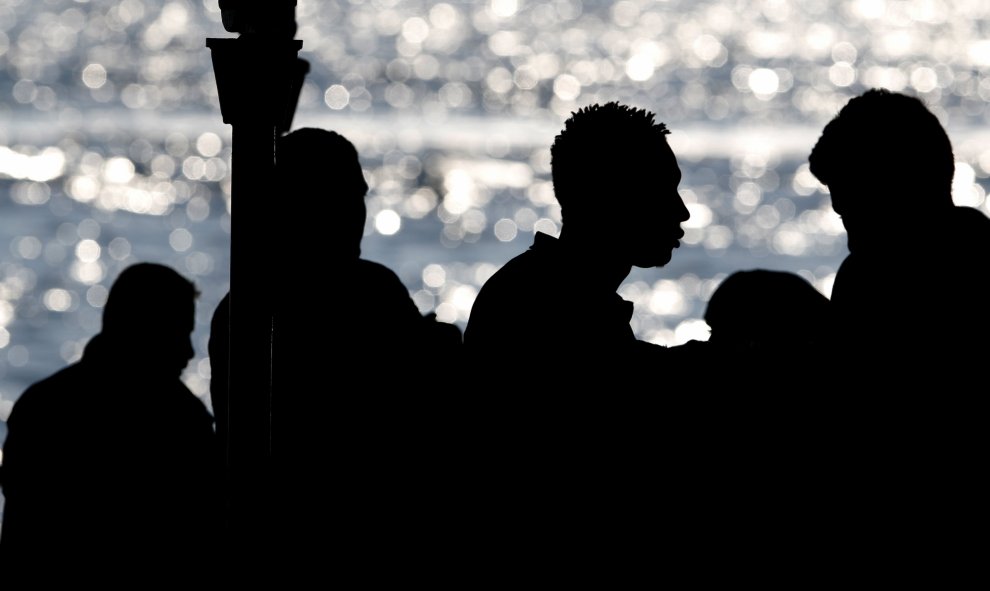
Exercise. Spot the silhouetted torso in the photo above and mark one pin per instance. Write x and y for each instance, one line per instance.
(908, 346)
(108, 472)
(911, 343)
(355, 444)
(909, 316)
(540, 308)
(571, 435)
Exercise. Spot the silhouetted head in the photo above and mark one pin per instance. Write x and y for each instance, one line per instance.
(888, 164)
(149, 317)
(616, 181)
(321, 168)
(768, 311)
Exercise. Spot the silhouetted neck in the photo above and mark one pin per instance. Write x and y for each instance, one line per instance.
(601, 263)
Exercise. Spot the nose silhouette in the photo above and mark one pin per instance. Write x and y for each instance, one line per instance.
(683, 214)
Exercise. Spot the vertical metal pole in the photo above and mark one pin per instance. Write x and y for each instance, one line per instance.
(258, 77)
(251, 309)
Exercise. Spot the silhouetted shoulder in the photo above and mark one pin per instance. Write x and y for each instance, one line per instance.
(511, 302)
(541, 303)
(970, 222)
(56, 394)
(503, 302)
(363, 285)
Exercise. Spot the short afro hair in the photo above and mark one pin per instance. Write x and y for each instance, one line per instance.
(597, 139)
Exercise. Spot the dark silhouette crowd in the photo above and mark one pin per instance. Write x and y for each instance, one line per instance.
(112, 460)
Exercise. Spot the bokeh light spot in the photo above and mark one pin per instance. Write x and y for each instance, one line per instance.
(667, 298)
(506, 230)
(504, 8)
(566, 87)
(434, 276)
(842, 74)
(6, 312)
(118, 170)
(640, 67)
(18, 356)
(336, 97)
(387, 222)
(764, 83)
(57, 300)
(415, 30)
(94, 76)
(96, 296)
(27, 247)
(180, 240)
(924, 79)
(88, 251)
(209, 144)
(119, 248)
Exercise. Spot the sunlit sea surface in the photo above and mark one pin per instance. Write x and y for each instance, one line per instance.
(112, 148)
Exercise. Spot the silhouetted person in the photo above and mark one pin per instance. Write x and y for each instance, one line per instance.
(768, 317)
(910, 346)
(363, 320)
(616, 180)
(766, 361)
(352, 356)
(352, 318)
(916, 281)
(109, 463)
(567, 446)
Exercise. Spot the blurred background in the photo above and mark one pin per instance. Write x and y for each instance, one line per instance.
(112, 148)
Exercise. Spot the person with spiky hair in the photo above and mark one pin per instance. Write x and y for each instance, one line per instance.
(616, 180)
(567, 463)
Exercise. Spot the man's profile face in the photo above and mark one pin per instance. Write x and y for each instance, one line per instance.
(657, 210)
